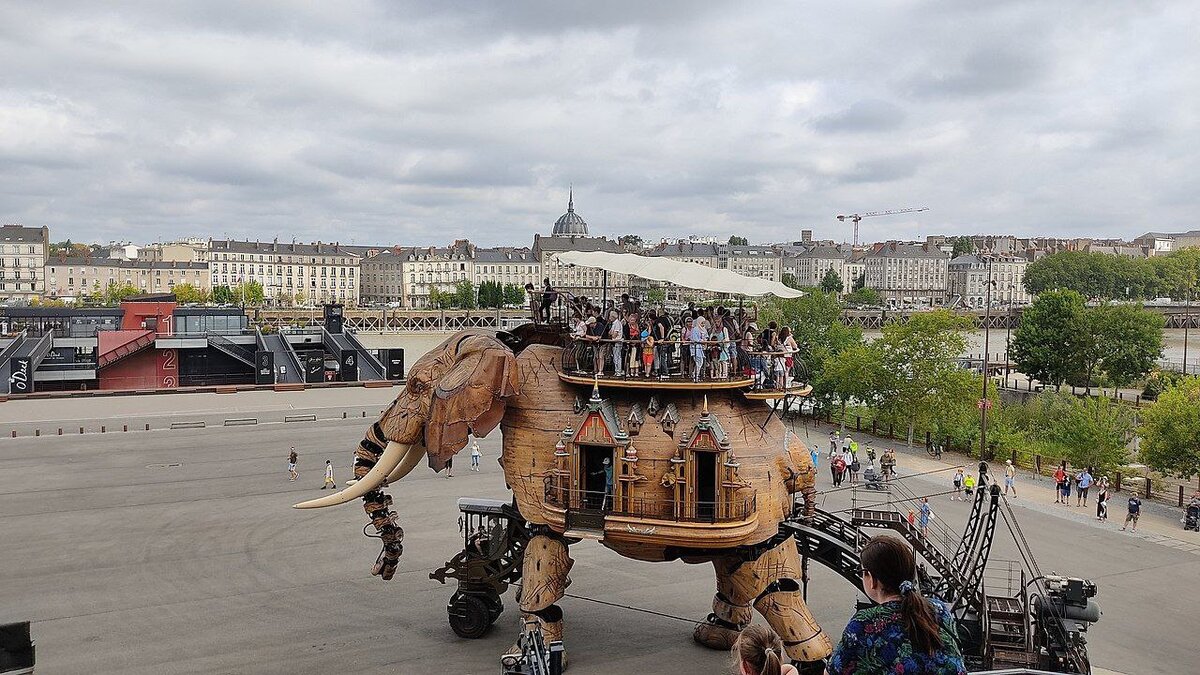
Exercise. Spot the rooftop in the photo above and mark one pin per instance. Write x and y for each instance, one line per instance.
(260, 247)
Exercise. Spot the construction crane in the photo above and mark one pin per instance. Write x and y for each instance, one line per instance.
(856, 217)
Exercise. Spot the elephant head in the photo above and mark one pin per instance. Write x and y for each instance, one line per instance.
(458, 388)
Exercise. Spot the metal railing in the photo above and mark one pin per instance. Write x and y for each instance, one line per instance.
(718, 511)
(674, 360)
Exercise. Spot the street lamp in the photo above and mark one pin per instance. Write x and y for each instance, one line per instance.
(1008, 321)
(984, 404)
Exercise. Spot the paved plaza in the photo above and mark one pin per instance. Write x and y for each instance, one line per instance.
(176, 551)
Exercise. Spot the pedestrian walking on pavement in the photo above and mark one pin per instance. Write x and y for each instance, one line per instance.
(1083, 481)
(450, 467)
(475, 455)
(329, 476)
(926, 515)
(838, 468)
(1010, 478)
(1102, 499)
(853, 466)
(969, 485)
(292, 457)
(1135, 510)
(958, 486)
(834, 443)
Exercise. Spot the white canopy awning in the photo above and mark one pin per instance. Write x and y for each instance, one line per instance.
(687, 274)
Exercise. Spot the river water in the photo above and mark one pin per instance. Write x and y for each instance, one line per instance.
(416, 345)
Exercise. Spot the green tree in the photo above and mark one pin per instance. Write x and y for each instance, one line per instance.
(114, 293)
(656, 295)
(491, 294)
(831, 282)
(862, 296)
(814, 319)
(631, 242)
(962, 246)
(1122, 341)
(860, 282)
(735, 240)
(189, 293)
(1045, 345)
(248, 293)
(439, 299)
(514, 295)
(222, 295)
(1170, 430)
(464, 295)
(1085, 430)
(788, 279)
(920, 368)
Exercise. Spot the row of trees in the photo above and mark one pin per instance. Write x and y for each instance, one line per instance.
(1062, 340)
(910, 379)
(490, 294)
(1101, 276)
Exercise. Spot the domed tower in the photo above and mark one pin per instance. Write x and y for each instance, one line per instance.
(570, 224)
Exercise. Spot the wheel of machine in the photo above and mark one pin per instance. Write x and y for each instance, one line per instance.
(470, 615)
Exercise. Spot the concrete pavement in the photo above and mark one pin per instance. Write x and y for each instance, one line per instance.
(178, 552)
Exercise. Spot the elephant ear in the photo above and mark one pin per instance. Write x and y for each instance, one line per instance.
(469, 399)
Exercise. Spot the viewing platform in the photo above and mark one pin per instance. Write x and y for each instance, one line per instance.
(759, 375)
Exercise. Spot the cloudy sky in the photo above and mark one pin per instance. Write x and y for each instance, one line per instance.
(417, 123)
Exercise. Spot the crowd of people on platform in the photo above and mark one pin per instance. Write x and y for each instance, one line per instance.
(698, 343)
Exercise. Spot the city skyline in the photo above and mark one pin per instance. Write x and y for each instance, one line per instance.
(390, 123)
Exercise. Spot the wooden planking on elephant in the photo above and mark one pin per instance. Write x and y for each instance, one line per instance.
(698, 482)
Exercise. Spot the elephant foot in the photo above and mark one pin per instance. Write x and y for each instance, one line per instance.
(716, 633)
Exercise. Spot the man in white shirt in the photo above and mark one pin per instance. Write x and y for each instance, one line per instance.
(616, 331)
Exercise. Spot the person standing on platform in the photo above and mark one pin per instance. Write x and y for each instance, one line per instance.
(926, 515)
(697, 336)
(292, 457)
(329, 476)
(1010, 478)
(616, 333)
(475, 455)
(1135, 510)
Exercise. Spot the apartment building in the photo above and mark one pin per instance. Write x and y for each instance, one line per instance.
(23, 252)
(570, 233)
(72, 277)
(907, 273)
(811, 266)
(967, 278)
(381, 277)
(507, 265)
(428, 268)
(764, 262)
(312, 273)
(188, 250)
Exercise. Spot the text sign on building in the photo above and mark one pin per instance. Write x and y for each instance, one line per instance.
(20, 375)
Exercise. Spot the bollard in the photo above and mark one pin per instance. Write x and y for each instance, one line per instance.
(364, 413)
(81, 430)
(102, 429)
(873, 425)
(1148, 494)
(60, 431)
(343, 414)
(1037, 464)
(124, 427)
(858, 423)
(1013, 456)
(147, 427)
(14, 433)
(1117, 484)
(1181, 496)
(38, 432)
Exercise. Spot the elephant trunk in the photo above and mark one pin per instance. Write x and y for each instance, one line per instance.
(378, 462)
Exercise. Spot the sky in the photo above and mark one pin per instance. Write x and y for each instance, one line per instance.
(424, 122)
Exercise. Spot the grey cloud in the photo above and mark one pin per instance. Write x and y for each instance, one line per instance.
(416, 122)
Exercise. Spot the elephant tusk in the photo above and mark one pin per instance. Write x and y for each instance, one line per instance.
(410, 461)
(392, 456)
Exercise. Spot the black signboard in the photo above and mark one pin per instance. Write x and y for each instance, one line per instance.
(20, 375)
(349, 367)
(393, 360)
(314, 368)
(333, 318)
(264, 368)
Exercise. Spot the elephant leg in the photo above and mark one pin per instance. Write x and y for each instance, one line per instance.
(731, 608)
(544, 581)
(782, 604)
